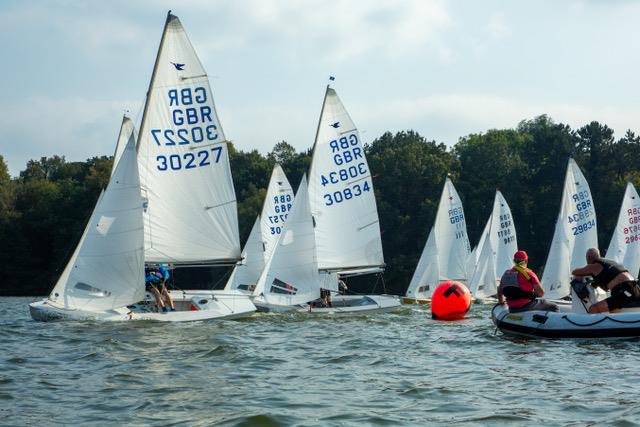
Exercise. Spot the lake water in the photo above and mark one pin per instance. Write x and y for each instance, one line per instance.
(392, 369)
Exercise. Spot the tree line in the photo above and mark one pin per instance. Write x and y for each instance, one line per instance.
(44, 210)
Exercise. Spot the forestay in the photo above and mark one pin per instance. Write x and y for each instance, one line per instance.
(625, 242)
(191, 212)
(291, 275)
(575, 232)
(107, 269)
(277, 204)
(496, 252)
(447, 249)
(246, 274)
(341, 195)
(127, 131)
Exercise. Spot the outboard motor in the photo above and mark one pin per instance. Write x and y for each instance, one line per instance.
(583, 295)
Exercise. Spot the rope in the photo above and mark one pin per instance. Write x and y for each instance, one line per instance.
(627, 322)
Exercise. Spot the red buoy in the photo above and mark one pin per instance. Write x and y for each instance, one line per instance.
(450, 301)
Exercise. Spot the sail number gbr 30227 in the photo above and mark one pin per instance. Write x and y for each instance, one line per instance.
(349, 169)
(192, 124)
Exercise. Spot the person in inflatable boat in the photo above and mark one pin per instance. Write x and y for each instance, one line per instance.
(521, 287)
(610, 276)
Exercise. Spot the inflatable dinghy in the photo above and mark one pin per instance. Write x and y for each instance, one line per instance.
(570, 321)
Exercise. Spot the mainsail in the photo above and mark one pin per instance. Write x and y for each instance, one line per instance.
(106, 270)
(495, 250)
(277, 204)
(575, 232)
(341, 195)
(291, 275)
(445, 254)
(190, 215)
(625, 242)
(127, 131)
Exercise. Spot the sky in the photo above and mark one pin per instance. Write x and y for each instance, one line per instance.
(443, 68)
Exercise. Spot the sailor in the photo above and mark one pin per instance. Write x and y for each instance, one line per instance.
(156, 278)
(521, 287)
(610, 276)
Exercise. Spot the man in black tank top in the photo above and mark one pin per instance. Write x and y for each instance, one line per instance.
(610, 276)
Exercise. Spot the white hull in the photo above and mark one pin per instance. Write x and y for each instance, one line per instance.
(189, 307)
(341, 304)
(567, 324)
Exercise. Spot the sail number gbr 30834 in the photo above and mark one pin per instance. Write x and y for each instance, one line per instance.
(192, 124)
(349, 171)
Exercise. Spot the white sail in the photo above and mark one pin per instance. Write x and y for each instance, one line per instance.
(277, 204)
(625, 242)
(447, 249)
(291, 275)
(341, 194)
(575, 232)
(107, 269)
(246, 274)
(191, 214)
(474, 256)
(496, 252)
(127, 131)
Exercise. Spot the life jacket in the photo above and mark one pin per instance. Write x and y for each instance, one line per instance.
(511, 288)
(610, 269)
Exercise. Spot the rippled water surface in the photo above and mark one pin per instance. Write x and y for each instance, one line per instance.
(391, 369)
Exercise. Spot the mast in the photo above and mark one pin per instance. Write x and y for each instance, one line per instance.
(315, 141)
(153, 79)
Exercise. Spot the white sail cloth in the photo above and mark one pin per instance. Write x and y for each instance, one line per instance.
(191, 214)
(291, 275)
(446, 252)
(575, 232)
(277, 204)
(496, 250)
(246, 274)
(106, 270)
(127, 131)
(341, 194)
(625, 242)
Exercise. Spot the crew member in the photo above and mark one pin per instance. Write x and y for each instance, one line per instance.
(610, 276)
(521, 287)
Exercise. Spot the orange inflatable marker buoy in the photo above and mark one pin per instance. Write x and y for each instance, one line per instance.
(450, 301)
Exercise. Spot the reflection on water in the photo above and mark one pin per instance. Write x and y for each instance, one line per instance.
(388, 369)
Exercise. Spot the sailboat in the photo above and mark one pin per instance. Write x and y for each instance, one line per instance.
(625, 242)
(495, 250)
(343, 205)
(106, 271)
(575, 232)
(445, 255)
(190, 215)
(264, 233)
(291, 277)
(127, 130)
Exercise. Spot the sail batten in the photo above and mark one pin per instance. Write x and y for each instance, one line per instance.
(190, 212)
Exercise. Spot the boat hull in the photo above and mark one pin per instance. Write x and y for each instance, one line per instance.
(189, 308)
(356, 304)
(414, 301)
(566, 324)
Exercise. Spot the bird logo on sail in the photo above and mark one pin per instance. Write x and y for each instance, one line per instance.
(178, 66)
(335, 125)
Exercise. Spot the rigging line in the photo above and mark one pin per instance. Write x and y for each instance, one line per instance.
(629, 322)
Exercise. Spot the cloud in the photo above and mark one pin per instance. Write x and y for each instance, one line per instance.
(71, 127)
(462, 114)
